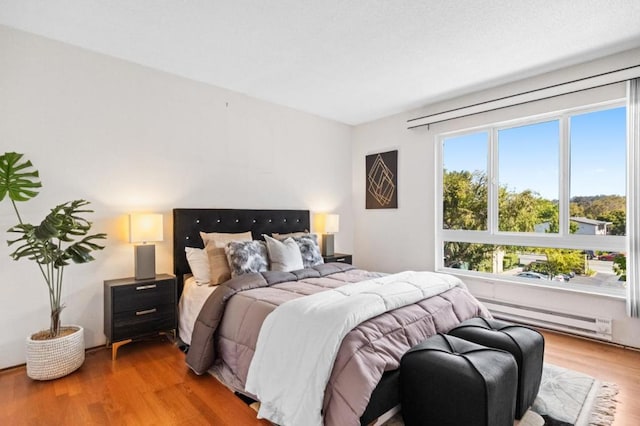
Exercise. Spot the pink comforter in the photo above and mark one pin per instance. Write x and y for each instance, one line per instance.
(372, 348)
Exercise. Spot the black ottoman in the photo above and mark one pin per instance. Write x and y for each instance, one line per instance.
(450, 381)
(526, 346)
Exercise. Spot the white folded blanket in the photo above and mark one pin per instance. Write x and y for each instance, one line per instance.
(299, 340)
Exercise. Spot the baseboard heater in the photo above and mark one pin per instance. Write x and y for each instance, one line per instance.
(597, 328)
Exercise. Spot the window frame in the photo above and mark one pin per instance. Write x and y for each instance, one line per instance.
(492, 235)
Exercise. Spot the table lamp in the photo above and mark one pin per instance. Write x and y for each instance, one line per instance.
(145, 228)
(331, 226)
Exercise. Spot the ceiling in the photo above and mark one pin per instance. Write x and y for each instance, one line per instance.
(348, 60)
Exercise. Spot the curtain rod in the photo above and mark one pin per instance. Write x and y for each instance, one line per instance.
(568, 87)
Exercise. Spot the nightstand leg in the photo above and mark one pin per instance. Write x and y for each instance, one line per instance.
(170, 334)
(115, 346)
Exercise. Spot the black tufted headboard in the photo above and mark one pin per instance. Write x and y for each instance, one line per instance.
(188, 223)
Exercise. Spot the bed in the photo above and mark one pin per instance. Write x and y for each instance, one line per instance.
(187, 225)
(364, 381)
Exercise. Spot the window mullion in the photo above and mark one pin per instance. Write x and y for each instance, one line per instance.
(492, 181)
(439, 214)
(564, 189)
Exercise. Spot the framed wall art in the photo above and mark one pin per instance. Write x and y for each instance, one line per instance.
(382, 180)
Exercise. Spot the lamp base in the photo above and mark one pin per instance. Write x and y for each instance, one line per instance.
(145, 261)
(327, 244)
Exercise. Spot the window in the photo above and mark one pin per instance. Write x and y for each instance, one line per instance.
(598, 173)
(538, 200)
(465, 165)
(526, 194)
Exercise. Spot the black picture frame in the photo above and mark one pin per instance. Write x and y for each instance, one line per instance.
(381, 180)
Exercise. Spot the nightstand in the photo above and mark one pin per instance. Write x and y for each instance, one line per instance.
(338, 257)
(139, 308)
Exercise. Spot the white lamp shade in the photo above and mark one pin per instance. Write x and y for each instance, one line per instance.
(145, 227)
(332, 224)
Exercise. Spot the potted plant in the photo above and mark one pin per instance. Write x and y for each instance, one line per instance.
(61, 238)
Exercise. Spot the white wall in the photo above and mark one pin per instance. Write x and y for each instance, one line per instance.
(403, 238)
(128, 138)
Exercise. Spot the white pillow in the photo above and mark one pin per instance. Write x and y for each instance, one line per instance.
(284, 255)
(199, 264)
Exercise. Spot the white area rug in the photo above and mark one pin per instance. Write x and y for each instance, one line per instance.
(566, 398)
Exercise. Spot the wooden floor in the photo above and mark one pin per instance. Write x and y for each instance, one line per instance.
(150, 384)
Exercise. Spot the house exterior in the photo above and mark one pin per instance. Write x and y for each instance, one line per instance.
(590, 226)
(586, 226)
(541, 227)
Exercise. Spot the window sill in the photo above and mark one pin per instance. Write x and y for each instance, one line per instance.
(609, 293)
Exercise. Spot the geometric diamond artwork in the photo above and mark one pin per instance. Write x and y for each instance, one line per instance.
(382, 181)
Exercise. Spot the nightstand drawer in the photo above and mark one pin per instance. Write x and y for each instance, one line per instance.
(143, 295)
(338, 257)
(143, 321)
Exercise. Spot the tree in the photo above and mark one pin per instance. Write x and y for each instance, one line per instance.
(563, 261)
(576, 210)
(558, 261)
(603, 204)
(620, 266)
(476, 257)
(464, 200)
(618, 219)
(518, 211)
(548, 213)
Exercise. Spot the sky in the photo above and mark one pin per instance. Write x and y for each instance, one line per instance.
(529, 155)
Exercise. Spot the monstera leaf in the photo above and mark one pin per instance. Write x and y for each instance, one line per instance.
(18, 179)
(44, 243)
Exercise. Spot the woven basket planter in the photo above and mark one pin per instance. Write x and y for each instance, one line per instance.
(54, 358)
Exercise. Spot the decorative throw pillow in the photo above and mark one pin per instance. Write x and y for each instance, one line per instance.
(283, 237)
(295, 235)
(283, 255)
(309, 249)
(214, 243)
(247, 256)
(199, 264)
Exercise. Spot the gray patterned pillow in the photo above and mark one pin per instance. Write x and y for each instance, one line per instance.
(246, 257)
(309, 249)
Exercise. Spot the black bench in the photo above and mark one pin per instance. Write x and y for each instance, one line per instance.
(446, 380)
(525, 344)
